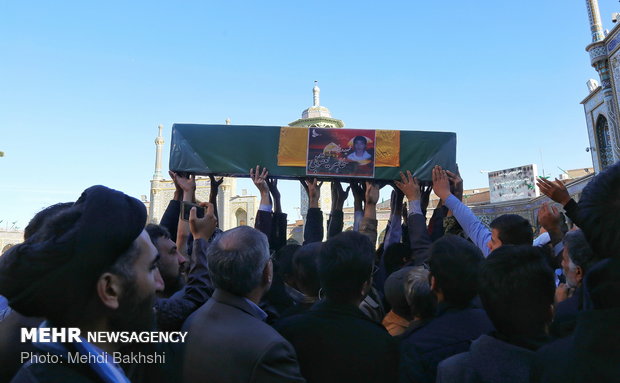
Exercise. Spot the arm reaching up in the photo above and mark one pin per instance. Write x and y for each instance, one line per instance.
(336, 215)
(313, 231)
(471, 225)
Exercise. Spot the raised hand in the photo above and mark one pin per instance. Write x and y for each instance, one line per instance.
(551, 220)
(215, 184)
(313, 188)
(409, 186)
(214, 188)
(272, 183)
(372, 193)
(441, 183)
(203, 227)
(396, 200)
(554, 190)
(339, 195)
(260, 179)
(457, 183)
(178, 192)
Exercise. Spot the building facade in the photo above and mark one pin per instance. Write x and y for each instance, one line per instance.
(10, 238)
(601, 105)
(233, 210)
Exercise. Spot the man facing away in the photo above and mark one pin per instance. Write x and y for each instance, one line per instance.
(516, 289)
(92, 267)
(335, 341)
(228, 339)
(453, 268)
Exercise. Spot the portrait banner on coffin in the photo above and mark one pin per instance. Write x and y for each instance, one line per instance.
(341, 152)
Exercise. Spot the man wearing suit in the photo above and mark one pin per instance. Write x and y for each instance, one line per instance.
(336, 342)
(228, 339)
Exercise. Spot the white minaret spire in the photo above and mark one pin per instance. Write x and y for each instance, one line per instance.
(159, 144)
(315, 93)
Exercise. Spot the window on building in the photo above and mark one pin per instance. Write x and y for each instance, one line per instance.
(603, 140)
(242, 217)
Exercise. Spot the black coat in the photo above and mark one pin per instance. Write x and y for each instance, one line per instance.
(56, 373)
(489, 360)
(338, 343)
(450, 333)
(591, 354)
(565, 318)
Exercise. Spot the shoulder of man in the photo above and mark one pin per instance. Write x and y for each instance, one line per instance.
(277, 363)
(54, 373)
(456, 368)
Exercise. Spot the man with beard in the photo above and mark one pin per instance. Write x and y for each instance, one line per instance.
(91, 267)
(171, 262)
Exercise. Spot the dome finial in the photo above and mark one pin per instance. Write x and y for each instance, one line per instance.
(315, 93)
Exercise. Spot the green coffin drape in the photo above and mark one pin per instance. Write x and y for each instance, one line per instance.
(231, 150)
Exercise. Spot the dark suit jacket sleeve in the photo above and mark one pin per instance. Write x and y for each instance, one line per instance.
(313, 231)
(278, 364)
(263, 223)
(411, 368)
(572, 211)
(335, 223)
(170, 219)
(419, 240)
(277, 240)
(435, 224)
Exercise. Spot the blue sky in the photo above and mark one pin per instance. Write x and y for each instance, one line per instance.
(83, 85)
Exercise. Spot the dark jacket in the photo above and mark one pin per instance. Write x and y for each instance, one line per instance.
(273, 225)
(313, 229)
(11, 345)
(419, 239)
(591, 354)
(449, 333)
(335, 223)
(277, 239)
(229, 343)
(338, 343)
(565, 318)
(488, 360)
(264, 223)
(170, 218)
(572, 211)
(56, 373)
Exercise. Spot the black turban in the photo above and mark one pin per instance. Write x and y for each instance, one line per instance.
(58, 266)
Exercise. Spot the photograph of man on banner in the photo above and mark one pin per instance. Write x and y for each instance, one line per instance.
(341, 152)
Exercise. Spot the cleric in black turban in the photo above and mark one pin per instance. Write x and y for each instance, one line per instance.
(55, 270)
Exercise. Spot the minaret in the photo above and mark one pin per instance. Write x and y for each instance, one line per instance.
(159, 144)
(594, 15)
(600, 61)
(155, 182)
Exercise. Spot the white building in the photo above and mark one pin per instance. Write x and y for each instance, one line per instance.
(601, 105)
(233, 210)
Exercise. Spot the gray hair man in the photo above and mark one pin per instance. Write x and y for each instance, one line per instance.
(577, 258)
(229, 340)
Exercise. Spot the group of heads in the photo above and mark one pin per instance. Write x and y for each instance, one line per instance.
(339, 269)
(92, 262)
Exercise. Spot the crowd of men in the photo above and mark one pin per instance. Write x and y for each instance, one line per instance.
(448, 300)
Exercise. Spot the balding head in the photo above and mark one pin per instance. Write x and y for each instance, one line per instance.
(237, 260)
